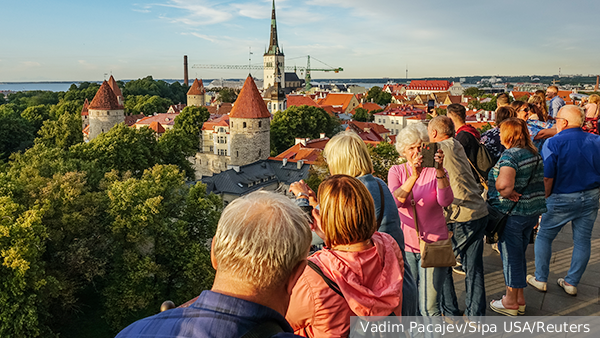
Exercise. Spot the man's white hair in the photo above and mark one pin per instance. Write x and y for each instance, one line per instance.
(260, 238)
(413, 133)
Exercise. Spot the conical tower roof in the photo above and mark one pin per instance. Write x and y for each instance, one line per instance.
(197, 88)
(105, 99)
(114, 86)
(84, 110)
(249, 104)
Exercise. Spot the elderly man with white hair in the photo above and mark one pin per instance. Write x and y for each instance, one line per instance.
(259, 252)
(572, 182)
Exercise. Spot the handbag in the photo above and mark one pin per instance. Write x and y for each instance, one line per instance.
(497, 219)
(438, 254)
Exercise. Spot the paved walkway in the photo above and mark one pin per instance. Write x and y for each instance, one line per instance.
(554, 302)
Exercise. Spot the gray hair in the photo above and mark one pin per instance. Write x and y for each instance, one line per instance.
(413, 133)
(574, 114)
(443, 125)
(260, 238)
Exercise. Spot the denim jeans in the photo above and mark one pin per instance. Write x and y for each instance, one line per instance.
(429, 282)
(513, 244)
(467, 241)
(579, 208)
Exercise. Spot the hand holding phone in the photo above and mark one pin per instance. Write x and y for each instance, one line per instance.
(429, 151)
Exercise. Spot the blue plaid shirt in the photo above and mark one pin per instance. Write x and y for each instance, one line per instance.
(211, 315)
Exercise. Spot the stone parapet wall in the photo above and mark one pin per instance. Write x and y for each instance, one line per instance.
(102, 121)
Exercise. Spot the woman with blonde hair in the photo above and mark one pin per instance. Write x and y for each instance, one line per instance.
(420, 195)
(516, 188)
(358, 273)
(347, 154)
(540, 110)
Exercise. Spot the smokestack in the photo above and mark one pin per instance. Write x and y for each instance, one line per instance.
(597, 79)
(185, 71)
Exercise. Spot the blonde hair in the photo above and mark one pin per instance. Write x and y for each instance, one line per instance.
(542, 111)
(347, 211)
(594, 98)
(346, 153)
(413, 133)
(260, 238)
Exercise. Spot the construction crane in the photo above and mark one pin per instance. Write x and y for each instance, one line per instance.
(307, 70)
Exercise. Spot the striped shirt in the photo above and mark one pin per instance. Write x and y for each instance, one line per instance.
(533, 201)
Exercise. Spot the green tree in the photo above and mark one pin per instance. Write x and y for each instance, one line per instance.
(377, 95)
(146, 104)
(2, 99)
(16, 133)
(303, 121)
(36, 115)
(190, 121)
(362, 115)
(63, 133)
(86, 90)
(227, 94)
(175, 147)
(473, 92)
(384, 156)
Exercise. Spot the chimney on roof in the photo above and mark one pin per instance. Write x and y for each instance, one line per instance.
(493, 116)
(478, 115)
(301, 140)
(299, 164)
(322, 135)
(284, 161)
(185, 71)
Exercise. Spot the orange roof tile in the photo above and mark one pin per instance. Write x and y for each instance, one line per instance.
(84, 110)
(105, 99)
(216, 121)
(86, 130)
(164, 119)
(197, 88)
(249, 104)
(308, 153)
(157, 127)
(130, 120)
(335, 99)
(429, 85)
(222, 109)
(372, 126)
(114, 86)
(300, 100)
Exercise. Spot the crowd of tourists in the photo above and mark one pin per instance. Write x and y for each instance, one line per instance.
(364, 247)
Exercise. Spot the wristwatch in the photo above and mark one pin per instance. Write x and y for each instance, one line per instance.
(300, 194)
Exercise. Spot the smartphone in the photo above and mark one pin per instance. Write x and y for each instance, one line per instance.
(428, 150)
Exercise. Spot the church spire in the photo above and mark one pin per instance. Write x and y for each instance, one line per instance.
(273, 43)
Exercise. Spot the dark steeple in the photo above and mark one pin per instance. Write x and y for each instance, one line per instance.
(273, 43)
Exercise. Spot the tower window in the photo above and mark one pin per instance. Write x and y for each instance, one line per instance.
(244, 125)
(259, 152)
(259, 124)
(237, 153)
(107, 113)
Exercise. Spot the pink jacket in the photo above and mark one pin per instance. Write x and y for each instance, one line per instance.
(371, 281)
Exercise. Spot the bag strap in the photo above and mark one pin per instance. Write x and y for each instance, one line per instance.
(332, 285)
(528, 181)
(382, 209)
(413, 204)
(481, 179)
(264, 330)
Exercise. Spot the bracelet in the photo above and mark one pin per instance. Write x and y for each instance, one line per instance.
(439, 178)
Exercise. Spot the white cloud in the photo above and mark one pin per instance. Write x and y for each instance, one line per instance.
(87, 65)
(196, 13)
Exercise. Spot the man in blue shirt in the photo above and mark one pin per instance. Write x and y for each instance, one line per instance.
(572, 180)
(556, 102)
(258, 252)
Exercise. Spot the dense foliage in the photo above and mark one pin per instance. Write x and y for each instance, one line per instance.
(377, 95)
(95, 235)
(303, 121)
(384, 156)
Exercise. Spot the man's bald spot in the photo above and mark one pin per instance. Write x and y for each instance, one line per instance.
(573, 114)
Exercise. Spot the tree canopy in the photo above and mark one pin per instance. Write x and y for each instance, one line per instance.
(190, 121)
(363, 115)
(303, 121)
(377, 95)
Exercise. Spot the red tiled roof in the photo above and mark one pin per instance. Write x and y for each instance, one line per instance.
(331, 110)
(373, 126)
(105, 99)
(86, 130)
(176, 108)
(518, 95)
(429, 85)
(222, 109)
(114, 86)
(369, 136)
(84, 110)
(164, 119)
(130, 120)
(368, 106)
(249, 104)
(216, 121)
(157, 127)
(197, 88)
(455, 98)
(308, 153)
(300, 100)
(401, 110)
(335, 99)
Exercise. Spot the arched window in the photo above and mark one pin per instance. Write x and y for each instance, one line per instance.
(244, 125)
(107, 113)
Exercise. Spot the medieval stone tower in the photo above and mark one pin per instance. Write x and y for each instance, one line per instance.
(104, 111)
(273, 58)
(195, 96)
(249, 126)
(115, 88)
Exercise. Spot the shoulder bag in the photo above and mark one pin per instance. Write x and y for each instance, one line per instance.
(497, 219)
(437, 254)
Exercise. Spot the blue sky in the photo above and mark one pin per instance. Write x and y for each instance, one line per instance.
(63, 40)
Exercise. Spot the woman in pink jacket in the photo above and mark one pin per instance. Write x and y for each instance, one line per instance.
(430, 190)
(365, 266)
